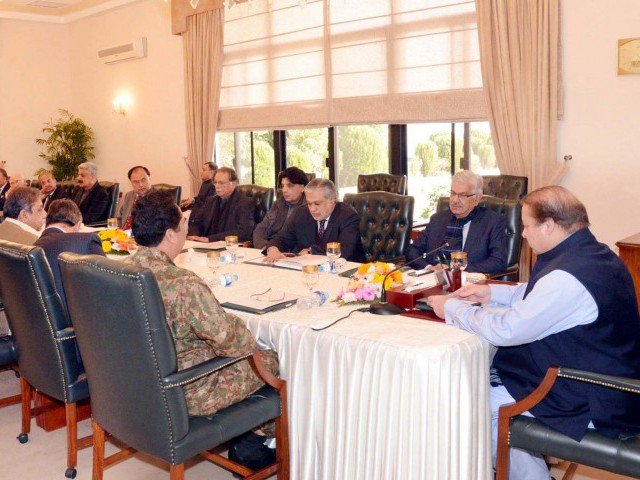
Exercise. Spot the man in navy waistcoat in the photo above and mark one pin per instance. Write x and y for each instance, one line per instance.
(578, 310)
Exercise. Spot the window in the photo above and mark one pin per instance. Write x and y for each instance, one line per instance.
(430, 162)
(360, 149)
(308, 150)
(263, 159)
(249, 153)
(363, 149)
(358, 61)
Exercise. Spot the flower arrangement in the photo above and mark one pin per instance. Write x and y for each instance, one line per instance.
(365, 285)
(116, 242)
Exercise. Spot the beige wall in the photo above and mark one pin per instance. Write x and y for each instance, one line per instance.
(44, 67)
(34, 84)
(601, 125)
(152, 132)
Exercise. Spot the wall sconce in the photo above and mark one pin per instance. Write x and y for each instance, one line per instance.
(121, 104)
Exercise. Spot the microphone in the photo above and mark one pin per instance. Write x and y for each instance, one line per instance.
(384, 308)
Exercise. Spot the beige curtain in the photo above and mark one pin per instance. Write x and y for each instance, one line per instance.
(202, 43)
(519, 50)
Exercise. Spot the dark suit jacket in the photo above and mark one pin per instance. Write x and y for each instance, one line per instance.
(486, 243)
(57, 194)
(3, 194)
(94, 208)
(237, 220)
(54, 242)
(299, 232)
(207, 190)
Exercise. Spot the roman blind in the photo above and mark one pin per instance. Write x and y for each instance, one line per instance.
(333, 62)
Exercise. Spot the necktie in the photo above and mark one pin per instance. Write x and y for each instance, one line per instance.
(320, 234)
(129, 223)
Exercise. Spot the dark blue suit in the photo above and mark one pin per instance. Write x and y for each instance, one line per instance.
(54, 242)
(486, 242)
(299, 232)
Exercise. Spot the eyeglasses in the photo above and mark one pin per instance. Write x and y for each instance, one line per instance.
(461, 195)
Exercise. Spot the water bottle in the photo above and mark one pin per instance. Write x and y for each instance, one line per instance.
(314, 299)
(227, 279)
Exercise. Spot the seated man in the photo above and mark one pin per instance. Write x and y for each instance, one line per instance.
(201, 329)
(480, 232)
(62, 234)
(206, 188)
(578, 310)
(229, 212)
(92, 199)
(140, 179)
(49, 189)
(4, 187)
(23, 216)
(17, 180)
(292, 182)
(324, 220)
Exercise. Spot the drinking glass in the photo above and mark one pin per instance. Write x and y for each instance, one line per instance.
(231, 242)
(333, 252)
(310, 276)
(112, 223)
(459, 260)
(213, 262)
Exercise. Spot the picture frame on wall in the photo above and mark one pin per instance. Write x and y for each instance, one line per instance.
(629, 56)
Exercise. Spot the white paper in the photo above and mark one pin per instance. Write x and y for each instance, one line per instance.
(296, 263)
(205, 246)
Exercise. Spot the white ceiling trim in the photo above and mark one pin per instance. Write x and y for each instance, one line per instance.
(69, 17)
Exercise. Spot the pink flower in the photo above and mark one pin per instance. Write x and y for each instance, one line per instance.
(368, 294)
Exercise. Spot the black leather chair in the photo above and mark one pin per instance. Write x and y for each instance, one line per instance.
(47, 353)
(262, 197)
(384, 182)
(175, 189)
(620, 455)
(68, 186)
(8, 361)
(113, 189)
(136, 389)
(386, 220)
(511, 211)
(505, 186)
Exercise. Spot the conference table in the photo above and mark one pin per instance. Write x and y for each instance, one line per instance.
(371, 397)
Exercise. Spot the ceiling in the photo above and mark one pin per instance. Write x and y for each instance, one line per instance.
(58, 11)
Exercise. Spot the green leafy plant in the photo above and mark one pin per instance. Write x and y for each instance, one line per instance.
(69, 142)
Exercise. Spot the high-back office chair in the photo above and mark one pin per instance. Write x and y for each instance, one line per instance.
(132, 369)
(47, 354)
(619, 455)
(112, 188)
(8, 360)
(384, 182)
(262, 198)
(511, 211)
(509, 187)
(386, 220)
(175, 189)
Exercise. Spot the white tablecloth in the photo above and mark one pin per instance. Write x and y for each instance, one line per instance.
(372, 397)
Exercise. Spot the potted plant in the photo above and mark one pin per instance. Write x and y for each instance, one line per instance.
(69, 142)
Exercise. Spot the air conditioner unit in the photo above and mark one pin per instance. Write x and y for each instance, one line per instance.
(136, 49)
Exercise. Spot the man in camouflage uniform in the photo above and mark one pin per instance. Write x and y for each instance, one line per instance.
(201, 329)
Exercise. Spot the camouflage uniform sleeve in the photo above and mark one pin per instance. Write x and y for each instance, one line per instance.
(225, 332)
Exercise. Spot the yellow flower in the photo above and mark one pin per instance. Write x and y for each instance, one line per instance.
(364, 268)
(381, 268)
(106, 246)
